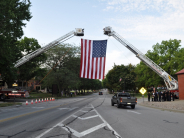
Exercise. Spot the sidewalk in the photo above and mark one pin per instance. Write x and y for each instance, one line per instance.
(177, 105)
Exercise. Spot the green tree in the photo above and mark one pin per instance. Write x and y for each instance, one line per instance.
(86, 84)
(168, 55)
(13, 14)
(32, 68)
(127, 75)
(66, 73)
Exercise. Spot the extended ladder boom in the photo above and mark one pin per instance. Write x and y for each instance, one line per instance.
(77, 32)
(170, 82)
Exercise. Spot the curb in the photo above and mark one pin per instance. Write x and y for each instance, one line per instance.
(171, 110)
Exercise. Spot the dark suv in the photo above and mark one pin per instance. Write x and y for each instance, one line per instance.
(100, 93)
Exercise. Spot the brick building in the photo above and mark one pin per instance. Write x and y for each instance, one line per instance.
(180, 75)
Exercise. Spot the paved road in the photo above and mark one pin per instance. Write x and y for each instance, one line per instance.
(88, 117)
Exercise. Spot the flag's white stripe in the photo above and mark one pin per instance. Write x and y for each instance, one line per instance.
(102, 67)
(98, 69)
(90, 66)
(94, 68)
(87, 51)
(83, 54)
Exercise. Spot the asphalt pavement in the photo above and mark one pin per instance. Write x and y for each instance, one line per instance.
(91, 116)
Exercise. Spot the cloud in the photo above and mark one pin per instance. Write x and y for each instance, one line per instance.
(143, 20)
(142, 5)
(151, 28)
(161, 19)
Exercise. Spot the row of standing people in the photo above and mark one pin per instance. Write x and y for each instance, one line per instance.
(161, 96)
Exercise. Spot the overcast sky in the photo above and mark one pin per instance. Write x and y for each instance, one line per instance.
(141, 22)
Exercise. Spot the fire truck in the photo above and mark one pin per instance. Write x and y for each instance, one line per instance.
(16, 92)
(170, 82)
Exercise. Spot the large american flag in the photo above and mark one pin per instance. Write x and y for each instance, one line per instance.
(93, 55)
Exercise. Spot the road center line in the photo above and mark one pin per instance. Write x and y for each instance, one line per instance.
(85, 118)
(38, 107)
(116, 134)
(59, 124)
(133, 112)
(93, 129)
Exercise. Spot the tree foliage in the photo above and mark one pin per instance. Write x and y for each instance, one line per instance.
(66, 73)
(13, 14)
(125, 73)
(31, 68)
(168, 55)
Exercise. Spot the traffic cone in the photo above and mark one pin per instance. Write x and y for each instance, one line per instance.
(45, 99)
(39, 101)
(31, 101)
(36, 101)
(42, 99)
(26, 102)
(50, 99)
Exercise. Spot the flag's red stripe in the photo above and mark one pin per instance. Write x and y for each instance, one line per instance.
(89, 53)
(92, 68)
(81, 57)
(100, 68)
(96, 68)
(104, 67)
(85, 45)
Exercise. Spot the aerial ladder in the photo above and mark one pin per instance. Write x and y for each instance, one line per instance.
(170, 82)
(77, 32)
(14, 93)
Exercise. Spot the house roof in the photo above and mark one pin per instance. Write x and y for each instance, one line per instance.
(180, 72)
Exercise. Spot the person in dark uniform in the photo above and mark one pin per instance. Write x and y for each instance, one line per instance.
(149, 96)
(159, 96)
(152, 96)
(167, 95)
(170, 95)
(173, 96)
(162, 95)
(156, 96)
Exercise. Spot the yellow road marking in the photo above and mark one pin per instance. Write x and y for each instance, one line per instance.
(7, 119)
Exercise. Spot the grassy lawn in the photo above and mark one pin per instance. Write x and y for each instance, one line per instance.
(9, 104)
(35, 95)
